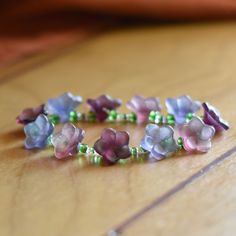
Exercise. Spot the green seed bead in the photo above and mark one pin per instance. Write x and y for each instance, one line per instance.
(153, 114)
(55, 119)
(159, 119)
(90, 150)
(171, 122)
(113, 113)
(142, 151)
(132, 117)
(189, 117)
(91, 116)
(100, 160)
(95, 159)
(73, 116)
(83, 148)
(49, 141)
(91, 158)
(170, 117)
(180, 142)
(133, 151)
(121, 117)
(151, 119)
(123, 161)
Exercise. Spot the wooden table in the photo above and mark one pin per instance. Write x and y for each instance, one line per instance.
(184, 195)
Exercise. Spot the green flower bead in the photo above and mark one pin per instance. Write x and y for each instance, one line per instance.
(55, 119)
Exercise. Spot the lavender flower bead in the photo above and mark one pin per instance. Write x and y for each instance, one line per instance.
(212, 117)
(113, 145)
(102, 105)
(63, 105)
(181, 106)
(159, 141)
(66, 141)
(37, 132)
(29, 114)
(197, 135)
(143, 106)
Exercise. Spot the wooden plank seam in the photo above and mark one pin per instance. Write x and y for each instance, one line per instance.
(169, 194)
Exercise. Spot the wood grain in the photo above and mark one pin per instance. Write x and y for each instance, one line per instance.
(44, 196)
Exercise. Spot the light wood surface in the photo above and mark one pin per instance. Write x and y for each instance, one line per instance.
(44, 196)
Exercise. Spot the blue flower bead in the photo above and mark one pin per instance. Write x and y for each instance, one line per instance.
(37, 132)
(63, 105)
(159, 141)
(181, 106)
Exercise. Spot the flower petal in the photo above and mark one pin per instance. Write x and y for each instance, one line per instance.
(207, 132)
(204, 146)
(196, 124)
(122, 138)
(152, 130)
(156, 152)
(190, 143)
(166, 132)
(153, 104)
(123, 152)
(212, 117)
(109, 136)
(172, 105)
(147, 143)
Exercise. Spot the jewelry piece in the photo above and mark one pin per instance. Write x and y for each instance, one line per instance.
(159, 139)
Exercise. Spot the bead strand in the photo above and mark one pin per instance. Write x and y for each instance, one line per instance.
(159, 141)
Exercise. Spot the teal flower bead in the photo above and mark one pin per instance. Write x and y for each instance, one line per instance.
(37, 132)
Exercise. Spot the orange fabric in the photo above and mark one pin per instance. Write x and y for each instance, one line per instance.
(28, 27)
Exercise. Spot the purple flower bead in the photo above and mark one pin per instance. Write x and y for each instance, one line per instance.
(113, 145)
(63, 105)
(37, 132)
(102, 105)
(143, 106)
(66, 141)
(159, 141)
(212, 117)
(181, 106)
(197, 135)
(29, 114)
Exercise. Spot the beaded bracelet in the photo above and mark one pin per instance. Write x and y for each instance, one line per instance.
(159, 141)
